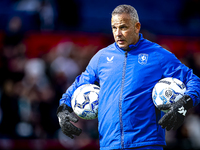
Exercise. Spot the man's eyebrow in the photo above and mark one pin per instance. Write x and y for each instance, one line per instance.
(123, 25)
(119, 25)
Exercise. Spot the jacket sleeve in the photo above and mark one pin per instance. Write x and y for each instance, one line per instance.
(172, 67)
(89, 76)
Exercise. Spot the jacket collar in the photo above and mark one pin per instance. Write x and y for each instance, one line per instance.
(132, 46)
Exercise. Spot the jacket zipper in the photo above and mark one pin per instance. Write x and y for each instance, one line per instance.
(120, 100)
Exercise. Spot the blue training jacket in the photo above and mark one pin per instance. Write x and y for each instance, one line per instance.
(127, 117)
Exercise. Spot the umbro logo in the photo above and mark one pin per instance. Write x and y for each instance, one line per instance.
(110, 60)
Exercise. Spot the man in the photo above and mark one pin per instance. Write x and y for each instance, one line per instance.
(127, 71)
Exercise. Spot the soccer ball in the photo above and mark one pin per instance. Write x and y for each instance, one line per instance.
(168, 90)
(85, 101)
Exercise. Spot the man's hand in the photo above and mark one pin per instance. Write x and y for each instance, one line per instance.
(64, 117)
(174, 118)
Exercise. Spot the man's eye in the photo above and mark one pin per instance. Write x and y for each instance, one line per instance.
(123, 27)
(114, 27)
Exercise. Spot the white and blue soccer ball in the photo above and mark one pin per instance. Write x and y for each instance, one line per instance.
(85, 101)
(168, 90)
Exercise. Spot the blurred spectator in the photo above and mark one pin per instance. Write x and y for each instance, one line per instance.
(46, 15)
(39, 95)
(64, 63)
(193, 127)
(38, 14)
(13, 52)
(14, 33)
(35, 73)
(28, 5)
(9, 106)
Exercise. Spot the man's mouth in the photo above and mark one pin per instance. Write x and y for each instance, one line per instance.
(120, 41)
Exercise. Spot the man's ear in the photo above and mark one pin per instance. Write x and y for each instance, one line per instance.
(137, 27)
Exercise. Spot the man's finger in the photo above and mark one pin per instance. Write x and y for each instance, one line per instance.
(163, 121)
(72, 118)
(164, 107)
(169, 125)
(75, 130)
(67, 133)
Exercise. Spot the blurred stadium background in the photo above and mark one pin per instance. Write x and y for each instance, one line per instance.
(45, 44)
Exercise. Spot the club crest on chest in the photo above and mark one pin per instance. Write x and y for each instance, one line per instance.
(142, 58)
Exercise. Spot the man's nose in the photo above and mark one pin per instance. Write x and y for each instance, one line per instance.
(118, 32)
